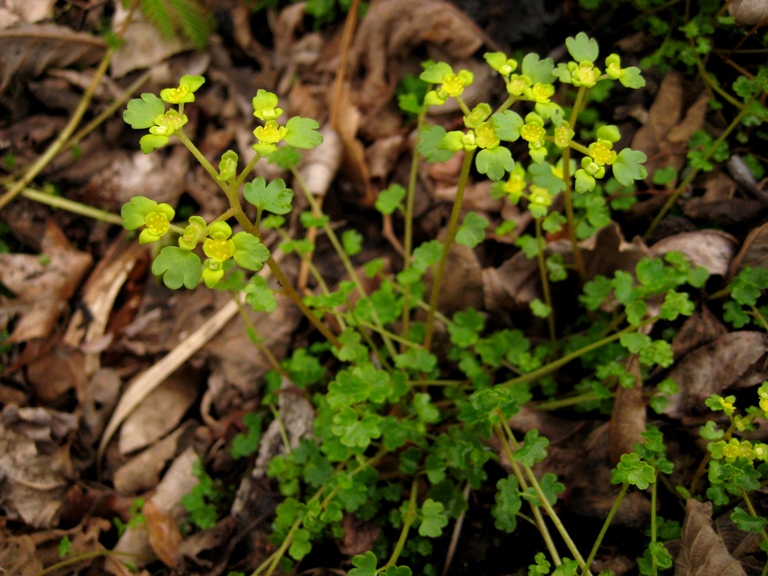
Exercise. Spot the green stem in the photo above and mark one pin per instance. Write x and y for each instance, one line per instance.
(552, 366)
(85, 556)
(753, 513)
(578, 262)
(545, 285)
(247, 170)
(253, 336)
(505, 437)
(453, 224)
(604, 529)
(565, 402)
(58, 145)
(654, 568)
(695, 171)
(544, 502)
(410, 516)
(507, 103)
(202, 160)
(408, 217)
(334, 239)
(72, 206)
(760, 318)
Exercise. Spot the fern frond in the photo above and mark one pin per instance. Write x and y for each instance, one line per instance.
(195, 22)
(158, 14)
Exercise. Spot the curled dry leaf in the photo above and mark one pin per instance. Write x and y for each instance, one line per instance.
(321, 163)
(734, 360)
(163, 532)
(161, 411)
(33, 467)
(628, 417)
(28, 50)
(703, 551)
(711, 249)
(44, 283)
(392, 28)
(754, 251)
(748, 12)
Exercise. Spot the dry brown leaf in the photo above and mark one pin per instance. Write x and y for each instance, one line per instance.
(66, 364)
(358, 535)
(748, 12)
(699, 328)
(703, 552)
(161, 411)
(392, 28)
(628, 417)
(17, 555)
(734, 360)
(711, 249)
(164, 535)
(43, 288)
(320, 164)
(207, 552)
(33, 466)
(754, 251)
(28, 50)
(29, 11)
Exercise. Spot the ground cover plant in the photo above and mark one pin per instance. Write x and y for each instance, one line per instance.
(426, 333)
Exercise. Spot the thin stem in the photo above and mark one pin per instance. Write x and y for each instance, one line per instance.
(341, 253)
(410, 516)
(545, 286)
(507, 103)
(408, 217)
(202, 159)
(58, 145)
(752, 512)
(247, 170)
(695, 171)
(654, 568)
(578, 262)
(253, 336)
(545, 503)
(552, 366)
(72, 206)
(540, 523)
(604, 529)
(453, 224)
(457, 533)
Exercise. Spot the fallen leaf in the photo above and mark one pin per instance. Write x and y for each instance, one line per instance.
(164, 535)
(748, 12)
(702, 552)
(628, 416)
(161, 411)
(17, 555)
(734, 360)
(44, 283)
(358, 536)
(754, 251)
(28, 50)
(699, 328)
(711, 249)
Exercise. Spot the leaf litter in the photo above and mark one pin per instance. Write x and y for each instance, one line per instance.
(144, 386)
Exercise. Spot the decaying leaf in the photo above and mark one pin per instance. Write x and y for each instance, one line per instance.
(34, 480)
(711, 249)
(28, 50)
(737, 359)
(703, 552)
(628, 416)
(44, 283)
(163, 532)
(748, 12)
(754, 251)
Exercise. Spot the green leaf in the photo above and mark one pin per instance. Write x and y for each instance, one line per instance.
(250, 253)
(417, 359)
(352, 241)
(435, 73)
(286, 157)
(595, 291)
(506, 125)
(353, 431)
(274, 197)
(141, 113)
(534, 448)
(636, 311)
(245, 444)
(540, 309)
(472, 231)
(508, 504)
(301, 545)
(538, 70)
(628, 166)
(398, 571)
(302, 133)
(433, 519)
(425, 409)
(632, 470)
(675, 304)
(135, 211)
(582, 48)
(747, 522)
(259, 295)
(428, 146)
(631, 78)
(551, 487)
(364, 565)
(178, 267)
(465, 327)
(390, 199)
(494, 162)
(150, 142)
(634, 342)
(64, 545)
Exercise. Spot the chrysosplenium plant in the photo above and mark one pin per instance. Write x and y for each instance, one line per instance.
(180, 265)
(388, 402)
